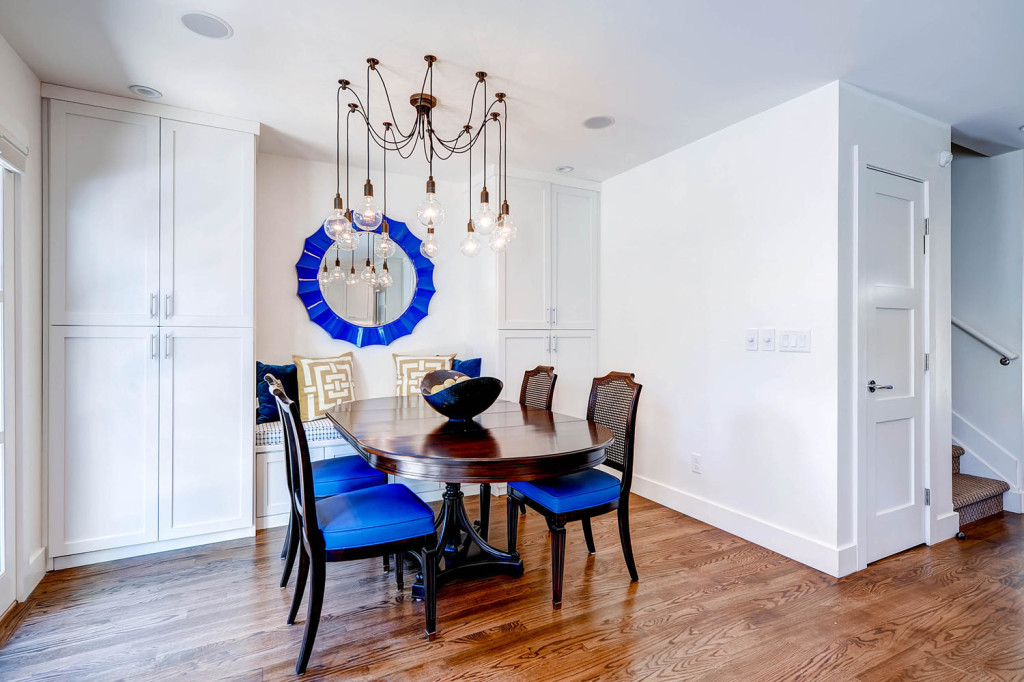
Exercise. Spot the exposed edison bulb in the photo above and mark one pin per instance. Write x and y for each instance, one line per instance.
(324, 277)
(352, 278)
(430, 211)
(429, 247)
(338, 223)
(367, 215)
(497, 242)
(385, 247)
(368, 274)
(484, 219)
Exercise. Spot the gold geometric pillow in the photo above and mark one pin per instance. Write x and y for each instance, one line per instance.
(409, 370)
(324, 383)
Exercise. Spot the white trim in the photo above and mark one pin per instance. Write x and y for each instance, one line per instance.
(86, 558)
(835, 561)
(97, 99)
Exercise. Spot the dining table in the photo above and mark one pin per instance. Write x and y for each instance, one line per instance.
(404, 436)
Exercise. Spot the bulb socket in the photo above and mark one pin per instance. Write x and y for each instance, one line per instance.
(485, 196)
(337, 202)
(431, 185)
(367, 188)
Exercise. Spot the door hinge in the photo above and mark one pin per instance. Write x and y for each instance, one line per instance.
(927, 361)
(927, 497)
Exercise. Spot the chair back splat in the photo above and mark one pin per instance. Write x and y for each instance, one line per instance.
(538, 387)
(613, 403)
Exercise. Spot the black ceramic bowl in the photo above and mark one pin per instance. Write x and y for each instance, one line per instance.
(461, 401)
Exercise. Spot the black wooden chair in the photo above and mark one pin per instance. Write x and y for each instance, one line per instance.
(583, 495)
(370, 522)
(537, 390)
(330, 477)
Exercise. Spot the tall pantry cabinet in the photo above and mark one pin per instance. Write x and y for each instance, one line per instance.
(150, 314)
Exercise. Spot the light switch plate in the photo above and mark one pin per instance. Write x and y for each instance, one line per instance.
(766, 339)
(795, 341)
(750, 339)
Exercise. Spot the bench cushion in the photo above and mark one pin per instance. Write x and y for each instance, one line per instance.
(318, 430)
(373, 516)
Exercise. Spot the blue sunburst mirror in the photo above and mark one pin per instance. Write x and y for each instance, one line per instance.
(361, 313)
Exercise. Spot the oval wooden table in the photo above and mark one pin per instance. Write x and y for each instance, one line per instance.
(508, 442)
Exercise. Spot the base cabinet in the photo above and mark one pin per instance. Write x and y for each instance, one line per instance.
(572, 353)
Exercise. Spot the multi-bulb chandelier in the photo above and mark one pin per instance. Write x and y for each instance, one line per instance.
(345, 226)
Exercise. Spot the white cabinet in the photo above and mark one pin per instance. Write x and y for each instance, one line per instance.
(573, 354)
(206, 430)
(103, 396)
(206, 218)
(104, 216)
(548, 276)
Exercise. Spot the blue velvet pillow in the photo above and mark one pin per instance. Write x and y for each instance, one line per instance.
(470, 368)
(287, 375)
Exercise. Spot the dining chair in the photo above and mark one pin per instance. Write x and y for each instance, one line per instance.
(537, 390)
(359, 524)
(330, 477)
(586, 494)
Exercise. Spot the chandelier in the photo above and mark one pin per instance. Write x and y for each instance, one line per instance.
(345, 226)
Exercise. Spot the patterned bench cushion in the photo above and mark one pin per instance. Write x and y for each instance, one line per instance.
(318, 430)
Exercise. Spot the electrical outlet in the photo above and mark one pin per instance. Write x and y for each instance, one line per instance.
(695, 464)
(766, 339)
(750, 339)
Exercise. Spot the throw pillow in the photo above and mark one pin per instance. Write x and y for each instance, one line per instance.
(266, 410)
(324, 383)
(409, 370)
(470, 368)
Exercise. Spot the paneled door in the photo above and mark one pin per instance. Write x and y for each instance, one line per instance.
(524, 299)
(574, 357)
(206, 236)
(574, 291)
(892, 295)
(103, 437)
(104, 216)
(206, 435)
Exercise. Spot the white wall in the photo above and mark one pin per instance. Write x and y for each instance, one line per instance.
(873, 131)
(734, 231)
(20, 114)
(988, 294)
(292, 198)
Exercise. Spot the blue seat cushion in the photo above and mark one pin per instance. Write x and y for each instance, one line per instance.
(572, 492)
(373, 516)
(344, 474)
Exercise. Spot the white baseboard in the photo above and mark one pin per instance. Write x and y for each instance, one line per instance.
(86, 558)
(835, 561)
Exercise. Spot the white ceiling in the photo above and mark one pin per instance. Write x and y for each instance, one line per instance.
(669, 71)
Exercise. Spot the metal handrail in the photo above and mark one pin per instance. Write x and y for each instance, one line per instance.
(1008, 355)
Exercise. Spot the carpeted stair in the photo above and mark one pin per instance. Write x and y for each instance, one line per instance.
(974, 497)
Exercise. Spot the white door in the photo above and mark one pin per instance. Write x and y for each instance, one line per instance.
(522, 350)
(892, 295)
(206, 430)
(8, 591)
(104, 214)
(206, 226)
(574, 356)
(524, 269)
(103, 437)
(574, 293)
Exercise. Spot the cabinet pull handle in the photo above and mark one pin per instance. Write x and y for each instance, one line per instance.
(153, 305)
(152, 346)
(167, 345)
(167, 306)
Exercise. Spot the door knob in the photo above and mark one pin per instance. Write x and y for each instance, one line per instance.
(872, 386)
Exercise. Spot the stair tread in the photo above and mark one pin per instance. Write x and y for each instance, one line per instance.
(969, 489)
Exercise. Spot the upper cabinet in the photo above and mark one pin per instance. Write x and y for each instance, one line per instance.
(548, 276)
(206, 217)
(150, 220)
(104, 213)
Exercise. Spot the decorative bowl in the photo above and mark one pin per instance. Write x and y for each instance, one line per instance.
(463, 400)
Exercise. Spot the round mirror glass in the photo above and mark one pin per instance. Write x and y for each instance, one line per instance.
(367, 302)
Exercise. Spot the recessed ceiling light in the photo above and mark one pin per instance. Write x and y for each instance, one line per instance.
(565, 169)
(207, 25)
(146, 91)
(598, 122)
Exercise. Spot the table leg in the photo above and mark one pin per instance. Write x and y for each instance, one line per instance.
(464, 553)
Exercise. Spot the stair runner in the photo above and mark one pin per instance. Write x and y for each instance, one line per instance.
(974, 497)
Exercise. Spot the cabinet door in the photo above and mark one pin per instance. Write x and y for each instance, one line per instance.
(520, 351)
(206, 226)
(524, 269)
(206, 430)
(104, 216)
(103, 437)
(574, 218)
(574, 356)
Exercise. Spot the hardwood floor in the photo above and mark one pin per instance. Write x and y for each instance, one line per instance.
(708, 606)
